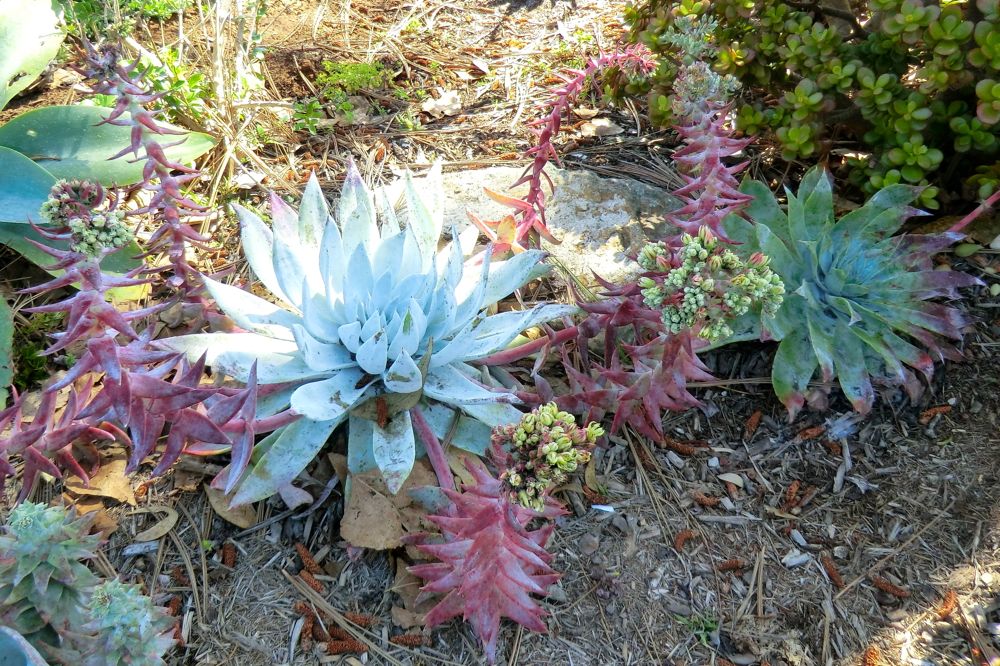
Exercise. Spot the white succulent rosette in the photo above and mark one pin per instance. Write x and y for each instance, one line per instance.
(367, 311)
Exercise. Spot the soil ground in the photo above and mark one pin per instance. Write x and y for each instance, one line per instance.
(835, 536)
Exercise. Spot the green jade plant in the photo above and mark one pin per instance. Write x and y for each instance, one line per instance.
(375, 326)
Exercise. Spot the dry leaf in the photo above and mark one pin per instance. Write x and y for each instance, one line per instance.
(481, 65)
(585, 113)
(243, 517)
(109, 481)
(373, 517)
(407, 586)
(104, 522)
(600, 127)
(590, 476)
(734, 479)
(339, 462)
(161, 528)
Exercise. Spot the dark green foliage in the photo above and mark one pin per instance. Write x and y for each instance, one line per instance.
(911, 86)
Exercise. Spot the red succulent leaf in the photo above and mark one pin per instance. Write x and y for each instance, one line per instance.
(490, 564)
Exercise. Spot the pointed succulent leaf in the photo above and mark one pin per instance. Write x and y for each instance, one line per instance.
(330, 399)
(356, 212)
(258, 247)
(251, 312)
(292, 450)
(394, 449)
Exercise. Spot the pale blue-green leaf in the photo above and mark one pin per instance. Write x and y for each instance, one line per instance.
(823, 344)
(394, 449)
(852, 372)
(360, 456)
(258, 247)
(495, 332)
(469, 434)
(24, 187)
(493, 415)
(763, 209)
(506, 276)
(284, 219)
(330, 398)
(272, 399)
(359, 281)
(314, 215)
(403, 376)
(411, 331)
(29, 39)
(469, 308)
(291, 453)
(234, 354)
(6, 342)
(425, 211)
(251, 312)
(797, 229)
(386, 213)
(333, 261)
(441, 315)
(318, 318)
(449, 385)
(740, 231)
(816, 194)
(70, 143)
(386, 259)
(321, 356)
(356, 213)
(350, 336)
(794, 365)
(289, 269)
(785, 263)
(373, 354)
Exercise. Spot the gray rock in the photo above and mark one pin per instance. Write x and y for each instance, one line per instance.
(600, 222)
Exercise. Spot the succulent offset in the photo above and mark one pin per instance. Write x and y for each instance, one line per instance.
(125, 628)
(83, 207)
(43, 583)
(858, 303)
(373, 321)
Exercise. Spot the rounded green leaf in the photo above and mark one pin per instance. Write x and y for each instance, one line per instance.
(69, 143)
(29, 40)
(24, 187)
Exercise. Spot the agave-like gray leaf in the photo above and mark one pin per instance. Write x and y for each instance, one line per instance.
(365, 313)
(855, 291)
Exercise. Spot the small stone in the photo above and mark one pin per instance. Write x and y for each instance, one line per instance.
(713, 462)
(841, 552)
(795, 558)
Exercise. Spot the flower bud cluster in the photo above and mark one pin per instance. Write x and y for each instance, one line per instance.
(541, 451)
(83, 208)
(703, 284)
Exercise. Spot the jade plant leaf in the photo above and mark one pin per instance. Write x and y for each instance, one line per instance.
(24, 186)
(69, 142)
(29, 40)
